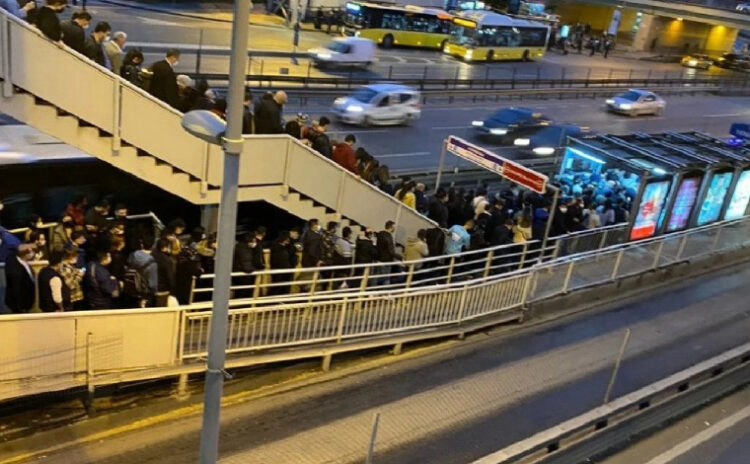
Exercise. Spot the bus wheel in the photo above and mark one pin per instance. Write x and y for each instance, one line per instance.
(490, 56)
(525, 56)
(388, 41)
(443, 44)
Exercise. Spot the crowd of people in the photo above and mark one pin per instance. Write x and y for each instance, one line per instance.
(96, 260)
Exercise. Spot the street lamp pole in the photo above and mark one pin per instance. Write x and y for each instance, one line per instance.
(232, 145)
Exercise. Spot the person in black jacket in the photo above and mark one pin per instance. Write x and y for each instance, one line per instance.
(437, 209)
(19, 279)
(73, 30)
(165, 268)
(164, 80)
(47, 20)
(365, 251)
(386, 251)
(93, 47)
(268, 113)
(259, 260)
(281, 258)
(319, 141)
(312, 250)
(99, 285)
(54, 295)
(244, 261)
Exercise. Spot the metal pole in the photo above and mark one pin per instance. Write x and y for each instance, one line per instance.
(232, 145)
(618, 362)
(550, 218)
(200, 52)
(295, 24)
(440, 166)
(373, 437)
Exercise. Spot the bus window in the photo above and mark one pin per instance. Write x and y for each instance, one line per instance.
(535, 37)
(395, 21)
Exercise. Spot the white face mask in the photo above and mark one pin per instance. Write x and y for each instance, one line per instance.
(176, 63)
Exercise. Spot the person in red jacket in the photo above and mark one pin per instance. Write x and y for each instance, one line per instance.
(344, 155)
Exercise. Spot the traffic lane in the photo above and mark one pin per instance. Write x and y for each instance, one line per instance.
(718, 433)
(417, 147)
(504, 388)
(153, 27)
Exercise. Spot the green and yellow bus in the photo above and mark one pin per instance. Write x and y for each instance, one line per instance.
(487, 36)
(409, 26)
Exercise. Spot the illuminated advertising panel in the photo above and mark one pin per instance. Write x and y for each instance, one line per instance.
(717, 192)
(683, 203)
(740, 197)
(649, 211)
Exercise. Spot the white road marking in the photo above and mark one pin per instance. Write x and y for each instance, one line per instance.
(450, 127)
(404, 155)
(157, 22)
(702, 437)
(725, 115)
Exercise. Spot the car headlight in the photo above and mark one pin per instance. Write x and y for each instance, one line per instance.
(469, 54)
(610, 101)
(498, 131)
(625, 106)
(339, 101)
(477, 123)
(324, 56)
(543, 151)
(692, 63)
(522, 142)
(354, 109)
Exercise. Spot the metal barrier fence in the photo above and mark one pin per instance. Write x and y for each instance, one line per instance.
(398, 275)
(51, 344)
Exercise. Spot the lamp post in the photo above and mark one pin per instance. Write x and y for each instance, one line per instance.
(210, 127)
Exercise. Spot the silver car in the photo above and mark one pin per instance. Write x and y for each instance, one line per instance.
(635, 102)
(379, 104)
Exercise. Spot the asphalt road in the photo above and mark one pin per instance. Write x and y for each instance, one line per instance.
(716, 434)
(456, 405)
(417, 147)
(156, 32)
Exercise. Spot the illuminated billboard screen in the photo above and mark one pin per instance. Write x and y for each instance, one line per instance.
(740, 197)
(717, 191)
(683, 203)
(649, 211)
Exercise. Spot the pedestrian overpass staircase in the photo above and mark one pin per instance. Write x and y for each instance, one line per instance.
(65, 95)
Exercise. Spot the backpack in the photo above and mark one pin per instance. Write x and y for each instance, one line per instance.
(134, 282)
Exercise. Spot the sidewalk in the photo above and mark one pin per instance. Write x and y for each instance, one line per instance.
(209, 11)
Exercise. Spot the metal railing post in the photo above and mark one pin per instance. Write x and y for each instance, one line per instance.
(603, 241)
(5, 57)
(340, 195)
(522, 261)
(681, 249)
(462, 304)
(256, 288)
(616, 267)
(342, 319)
(191, 295)
(409, 276)
(488, 263)
(658, 254)
(89, 365)
(568, 275)
(716, 238)
(117, 118)
(450, 269)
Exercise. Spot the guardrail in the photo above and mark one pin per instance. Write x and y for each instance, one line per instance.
(607, 427)
(56, 351)
(403, 275)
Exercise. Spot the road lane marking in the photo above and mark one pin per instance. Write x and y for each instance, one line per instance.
(702, 437)
(725, 115)
(450, 127)
(403, 155)
(157, 22)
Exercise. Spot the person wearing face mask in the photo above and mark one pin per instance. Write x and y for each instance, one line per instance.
(164, 80)
(93, 48)
(559, 226)
(74, 35)
(19, 278)
(48, 22)
(100, 286)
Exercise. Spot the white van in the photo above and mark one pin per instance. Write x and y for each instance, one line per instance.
(345, 51)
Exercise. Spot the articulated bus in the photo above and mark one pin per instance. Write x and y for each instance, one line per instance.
(410, 26)
(487, 36)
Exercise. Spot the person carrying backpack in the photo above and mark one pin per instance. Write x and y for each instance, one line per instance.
(141, 275)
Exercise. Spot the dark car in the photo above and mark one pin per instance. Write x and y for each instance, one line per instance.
(733, 61)
(509, 119)
(544, 140)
